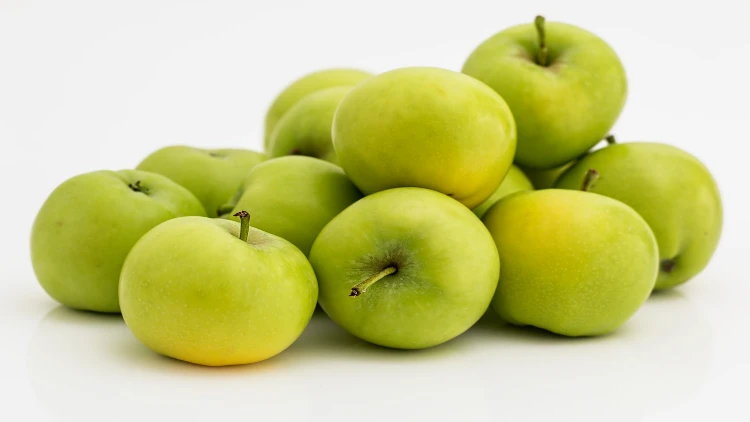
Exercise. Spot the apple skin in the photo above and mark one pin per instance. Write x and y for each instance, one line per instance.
(573, 263)
(447, 268)
(212, 175)
(305, 86)
(87, 226)
(306, 128)
(425, 127)
(192, 290)
(562, 109)
(515, 181)
(294, 197)
(672, 190)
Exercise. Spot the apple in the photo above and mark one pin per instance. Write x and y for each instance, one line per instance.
(214, 292)
(87, 226)
(425, 127)
(573, 263)
(305, 86)
(406, 268)
(293, 197)
(672, 190)
(212, 175)
(306, 128)
(565, 87)
(515, 181)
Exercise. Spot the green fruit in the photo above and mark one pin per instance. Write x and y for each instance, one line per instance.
(294, 197)
(89, 223)
(306, 128)
(425, 127)
(673, 192)
(515, 181)
(305, 86)
(565, 96)
(574, 263)
(406, 268)
(212, 175)
(202, 291)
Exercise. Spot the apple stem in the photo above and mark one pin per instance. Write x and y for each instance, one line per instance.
(362, 287)
(610, 139)
(136, 187)
(543, 52)
(244, 224)
(589, 179)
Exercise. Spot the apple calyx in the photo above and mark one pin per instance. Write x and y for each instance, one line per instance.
(667, 265)
(543, 54)
(244, 224)
(589, 179)
(610, 139)
(362, 287)
(136, 187)
(295, 151)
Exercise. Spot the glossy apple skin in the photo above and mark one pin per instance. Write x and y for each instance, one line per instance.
(447, 268)
(212, 175)
(673, 191)
(87, 226)
(515, 181)
(305, 86)
(573, 263)
(294, 197)
(192, 290)
(306, 128)
(425, 127)
(562, 109)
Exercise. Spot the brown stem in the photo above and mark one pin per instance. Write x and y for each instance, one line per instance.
(589, 179)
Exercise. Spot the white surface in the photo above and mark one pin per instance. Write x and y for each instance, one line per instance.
(88, 85)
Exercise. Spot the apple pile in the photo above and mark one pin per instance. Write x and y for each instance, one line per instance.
(394, 203)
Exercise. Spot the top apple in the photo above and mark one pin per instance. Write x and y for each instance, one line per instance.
(565, 86)
(428, 128)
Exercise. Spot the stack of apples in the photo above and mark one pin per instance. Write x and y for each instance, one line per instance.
(405, 204)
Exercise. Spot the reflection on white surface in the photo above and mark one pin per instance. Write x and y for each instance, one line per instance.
(86, 365)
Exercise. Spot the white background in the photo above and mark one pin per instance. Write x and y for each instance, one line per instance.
(88, 85)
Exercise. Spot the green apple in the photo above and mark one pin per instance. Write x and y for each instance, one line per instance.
(306, 128)
(515, 181)
(573, 263)
(89, 223)
(293, 197)
(565, 87)
(406, 268)
(212, 175)
(425, 127)
(673, 192)
(305, 86)
(214, 292)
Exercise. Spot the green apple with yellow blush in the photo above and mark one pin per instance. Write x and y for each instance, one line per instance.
(425, 127)
(216, 292)
(573, 263)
